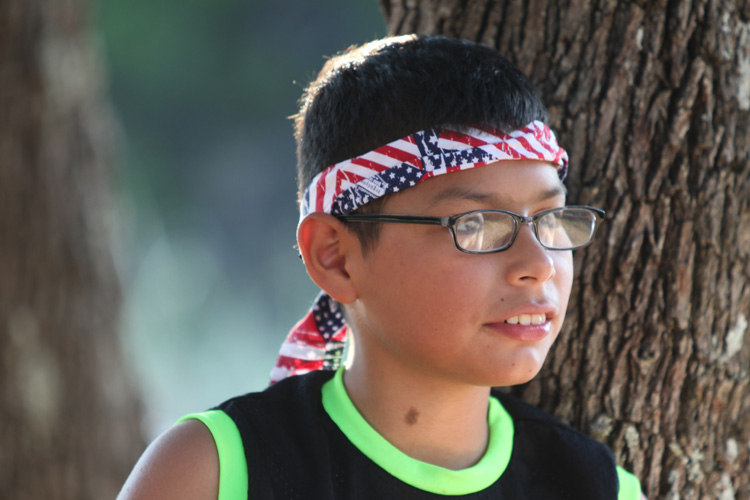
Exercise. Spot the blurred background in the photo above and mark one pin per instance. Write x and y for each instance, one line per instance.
(206, 187)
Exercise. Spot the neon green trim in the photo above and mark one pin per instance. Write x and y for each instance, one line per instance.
(630, 487)
(232, 463)
(427, 477)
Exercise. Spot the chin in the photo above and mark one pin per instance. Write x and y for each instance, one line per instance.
(516, 372)
(524, 378)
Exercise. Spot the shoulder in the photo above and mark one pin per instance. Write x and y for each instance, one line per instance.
(536, 428)
(575, 449)
(282, 397)
(549, 444)
(182, 463)
(526, 414)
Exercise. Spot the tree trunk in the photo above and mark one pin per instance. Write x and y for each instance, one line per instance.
(69, 419)
(652, 101)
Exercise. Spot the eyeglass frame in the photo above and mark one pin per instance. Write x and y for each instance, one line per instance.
(449, 221)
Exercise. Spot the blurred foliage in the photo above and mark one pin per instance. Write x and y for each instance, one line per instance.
(207, 190)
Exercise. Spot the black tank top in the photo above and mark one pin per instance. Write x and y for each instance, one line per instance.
(295, 451)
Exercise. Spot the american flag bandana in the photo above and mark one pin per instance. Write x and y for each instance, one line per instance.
(317, 341)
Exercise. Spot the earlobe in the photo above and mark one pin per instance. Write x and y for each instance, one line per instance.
(327, 247)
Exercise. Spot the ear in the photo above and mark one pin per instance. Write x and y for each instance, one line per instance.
(328, 249)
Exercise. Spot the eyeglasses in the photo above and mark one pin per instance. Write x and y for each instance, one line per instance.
(489, 231)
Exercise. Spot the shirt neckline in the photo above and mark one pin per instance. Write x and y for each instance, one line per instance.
(422, 475)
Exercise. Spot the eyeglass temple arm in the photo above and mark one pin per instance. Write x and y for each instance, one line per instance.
(401, 219)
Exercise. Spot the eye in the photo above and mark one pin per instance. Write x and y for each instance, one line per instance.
(469, 229)
(499, 228)
(566, 228)
(469, 225)
(484, 231)
(549, 222)
(551, 230)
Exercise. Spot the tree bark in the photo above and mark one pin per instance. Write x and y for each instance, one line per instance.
(652, 101)
(69, 418)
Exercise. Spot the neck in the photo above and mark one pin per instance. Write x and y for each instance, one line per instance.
(427, 418)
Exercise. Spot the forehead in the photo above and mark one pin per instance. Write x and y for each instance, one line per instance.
(503, 184)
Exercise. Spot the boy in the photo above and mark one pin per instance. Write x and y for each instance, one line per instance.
(438, 314)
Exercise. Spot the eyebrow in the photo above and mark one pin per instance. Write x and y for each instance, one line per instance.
(464, 193)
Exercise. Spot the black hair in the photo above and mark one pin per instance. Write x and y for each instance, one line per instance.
(374, 94)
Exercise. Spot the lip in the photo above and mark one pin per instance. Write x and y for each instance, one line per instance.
(522, 333)
(525, 333)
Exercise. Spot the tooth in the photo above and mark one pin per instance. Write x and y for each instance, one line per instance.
(512, 321)
(537, 319)
(524, 319)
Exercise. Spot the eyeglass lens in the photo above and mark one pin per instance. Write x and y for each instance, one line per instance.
(561, 229)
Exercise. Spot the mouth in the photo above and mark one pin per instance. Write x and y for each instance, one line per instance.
(532, 325)
(527, 319)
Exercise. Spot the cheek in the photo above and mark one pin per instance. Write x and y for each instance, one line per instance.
(564, 274)
(563, 282)
(430, 294)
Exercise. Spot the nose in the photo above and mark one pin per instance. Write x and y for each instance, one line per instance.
(528, 261)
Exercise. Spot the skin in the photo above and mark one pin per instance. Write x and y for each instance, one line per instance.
(427, 324)
(182, 463)
(426, 315)
(432, 310)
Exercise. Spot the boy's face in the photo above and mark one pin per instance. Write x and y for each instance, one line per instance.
(427, 306)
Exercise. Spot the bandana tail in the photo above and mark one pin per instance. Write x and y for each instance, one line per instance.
(316, 342)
